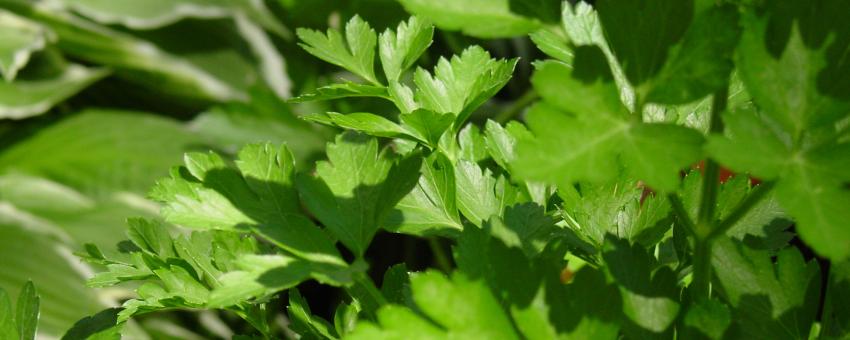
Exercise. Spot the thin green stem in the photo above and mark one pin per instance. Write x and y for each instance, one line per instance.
(705, 217)
(701, 286)
(517, 106)
(681, 213)
(443, 262)
(742, 209)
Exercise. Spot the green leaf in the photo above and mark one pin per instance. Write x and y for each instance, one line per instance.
(400, 49)
(355, 52)
(342, 90)
(649, 295)
(818, 208)
(431, 206)
(427, 126)
(345, 318)
(599, 133)
(124, 151)
(8, 329)
(793, 71)
(27, 98)
(479, 194)
(367, 123)
(19, 38)
(477, 18)
(836, 310)
(631, 27)
(101, 326)
(26, 313)
(259, 121)
(261, 275)
(396, 285)
(396, 323)
(810, 184)
(525, 226)
(710, 318)
(750, 145)
(303, 322)
(553, 45)
(775, 300)
(464, 308)
(458, 86)
(701, 63)
(356, 188)
(158, 13)
(260, 196)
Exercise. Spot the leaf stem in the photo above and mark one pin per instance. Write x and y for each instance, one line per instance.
(741, 210)
(681, 213)
(443, 262)
(705, 226)
(517, 106)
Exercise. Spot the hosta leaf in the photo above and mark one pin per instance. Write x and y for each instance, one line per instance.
(26, 98)
(431, 206)
(26, 312)
(8, 328)
(791, 59)
(478, 18)
(19, 38)
(355, 52)
(355, 189)
(124, 151)
(400, 49)
(159, 13)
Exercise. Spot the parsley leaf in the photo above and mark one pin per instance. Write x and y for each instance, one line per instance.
(401, 48)
(458, 86)
(355, 52)
(598, 132)
(356, 188)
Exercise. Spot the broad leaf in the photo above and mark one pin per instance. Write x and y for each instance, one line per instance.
(26, 98)
(19, 38)
(478, 18)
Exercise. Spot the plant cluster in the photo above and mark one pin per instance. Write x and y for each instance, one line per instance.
(602, 215)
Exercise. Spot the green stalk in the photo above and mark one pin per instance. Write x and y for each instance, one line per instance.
(517, 106)
(741, 210)
(705, 217)
(443, 262)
